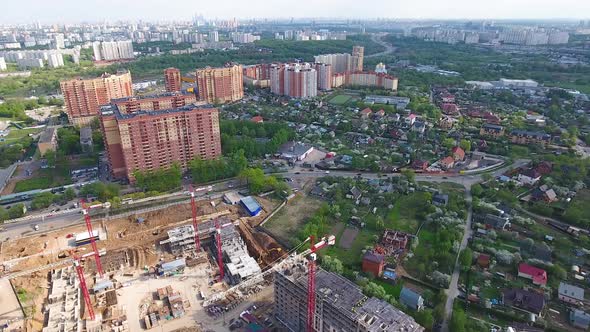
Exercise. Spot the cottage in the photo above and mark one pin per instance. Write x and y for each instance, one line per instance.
(450, 108)
(410, 119)
(355, 193)
(531, 302)
(547, 195)
(529, 177)
(373, 263)
(496, 222)
(483, 261)
(411, 299)
(458, 153)
(421, 165)
(380, 113)
(447, 163)
(544, 167)
(580, 319)
(529, 137)
(537, 275)
(257, 119)
(366, 113)
(570, 294)
(419, 127)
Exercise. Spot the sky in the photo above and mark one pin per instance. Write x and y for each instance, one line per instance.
(72, 11)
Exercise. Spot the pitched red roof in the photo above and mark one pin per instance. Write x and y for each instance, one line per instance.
(458, 152)
(257, 119)
(366, 111)
(447, 161)
(538, 275)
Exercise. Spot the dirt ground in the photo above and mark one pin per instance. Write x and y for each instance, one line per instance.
(140, 240)
(347, 238)
(287, 222)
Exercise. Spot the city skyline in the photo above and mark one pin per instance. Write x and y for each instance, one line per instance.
(70, 11)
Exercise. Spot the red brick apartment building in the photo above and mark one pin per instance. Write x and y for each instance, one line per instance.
(172, 80)
(155, 102)
(220, 85)
(83, 97)
(147, 140)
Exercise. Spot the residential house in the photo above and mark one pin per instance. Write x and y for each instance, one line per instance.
(446, 122)
(458, 153)
(544, 167)
(440, 199)
(410, 119)
(447, 163)
(529, 137)
(355, 193)
(450, 108)
(547, 195)
(483, 261)
(447, 98)
(373, 263)
(529, 177)
(393, 241)
(257, 119)
(495, 222)
(419, 127)
(366, 113)
(528, 301)
(421, 165)
(380, 113)
(491, 130)
(537, 275)
(411, 299)
(570, 294)
(580, 319)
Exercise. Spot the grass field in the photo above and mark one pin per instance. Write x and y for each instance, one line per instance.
(340, 99)
(16, 135)
(287, 222)
(46, 178)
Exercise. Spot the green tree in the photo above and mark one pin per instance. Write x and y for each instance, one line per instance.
(16, 211)
(409, 174)
(466, 258)
(42, 200)
(465, 145)
(332, 264)
(458, 320)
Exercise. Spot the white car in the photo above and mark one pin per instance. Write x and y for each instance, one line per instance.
(327, 172)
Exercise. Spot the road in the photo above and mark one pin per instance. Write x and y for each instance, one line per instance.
(453, 290)
(378, 38)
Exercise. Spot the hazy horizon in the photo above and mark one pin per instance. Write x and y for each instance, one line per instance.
(74, 11)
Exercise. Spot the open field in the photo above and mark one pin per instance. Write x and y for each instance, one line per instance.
(15, 135)
(340, 99)
(287, 222)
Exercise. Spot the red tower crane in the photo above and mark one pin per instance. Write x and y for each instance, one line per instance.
(92, 242)
(195, 225)
(219, 253)
(85, 294)
(311, 270)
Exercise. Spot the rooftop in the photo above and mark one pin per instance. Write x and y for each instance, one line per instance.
(113, 109)
(47, 135)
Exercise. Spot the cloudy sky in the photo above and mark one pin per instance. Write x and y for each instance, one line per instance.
(70, 11)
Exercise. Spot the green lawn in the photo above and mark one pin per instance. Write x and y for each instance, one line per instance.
(340, 99)
(16, 135)
(47, 178)
(287, 222)
(578, 211)
(352, 257)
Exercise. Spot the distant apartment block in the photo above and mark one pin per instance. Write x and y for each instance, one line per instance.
(155, 102)
(112, 51)
(297, 80)
(257, 75)
(146, 140)
(243, 37)
(83, 97)
(172, 80)
(370, 79)
(342, 62)
(220, 85)
(324, 72)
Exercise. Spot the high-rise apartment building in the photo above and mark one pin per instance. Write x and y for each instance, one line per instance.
(2, 64)
(214, 36)
(358, 56)
(146, 140)
(155, 102)
(324, 72)
(172, 80)
(111, 51)
(220, 85)
(370, 79)
(257, 75)
(342, 62)
(298, 80)
(340, 305)
(83, 97)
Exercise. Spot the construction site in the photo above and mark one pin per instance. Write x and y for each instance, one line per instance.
(184, 268)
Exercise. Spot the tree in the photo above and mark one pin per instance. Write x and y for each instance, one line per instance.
(477, 190)
(425, 318)
(16, 211)
(332, 264)
(448, 143)
(159, 180)
(42, 200)
(465, 145)
(458, 320)
(50, 157)
(409, 174)
(466, 258)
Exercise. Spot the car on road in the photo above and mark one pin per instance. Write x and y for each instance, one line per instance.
(297, 172)
(36, 227)
(327, 172)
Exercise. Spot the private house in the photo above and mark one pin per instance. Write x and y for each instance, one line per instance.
(529, 177)
(458, 153)
(491, 130)
(373, 263)
(570, 294)
(537, 275)
(420, 165)
(410, 119)
(495, 222)
(411, 299)
(355, 193)
(450, 108)
(446, 122)
(483, 261)
(419, 127)
(544, 195)
(257, 119)
(529, 137)
(544, 168)
(366, 113)
(447, 163)
(528, 301)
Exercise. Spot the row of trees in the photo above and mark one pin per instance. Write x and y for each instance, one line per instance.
(258, 182)
(159, 180)
(217, 169)
(45, 199)
(255, 139)
(15, 211)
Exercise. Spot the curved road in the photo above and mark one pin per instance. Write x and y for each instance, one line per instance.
(378, 38)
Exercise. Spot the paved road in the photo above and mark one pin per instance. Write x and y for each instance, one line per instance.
(378, 38)
(453, 290)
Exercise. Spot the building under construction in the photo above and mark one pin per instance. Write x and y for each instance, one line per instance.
(239, 265)
(340, 304)
(63, 303)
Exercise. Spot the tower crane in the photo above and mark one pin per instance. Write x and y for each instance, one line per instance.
(91, 235)
(219, 252)
(83, 287)
(311, 271)
(195, 225)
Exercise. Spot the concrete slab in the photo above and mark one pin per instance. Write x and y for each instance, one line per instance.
(10, 310)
